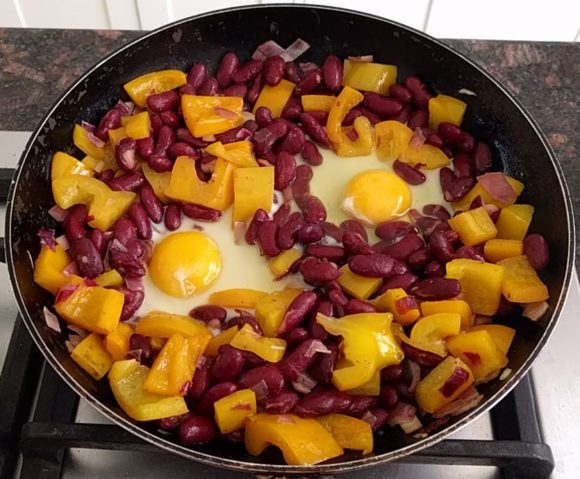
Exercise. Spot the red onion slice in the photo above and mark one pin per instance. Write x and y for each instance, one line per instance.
(239, 231)
(134, 284)
(411, 426)
(51, 320)
(316, 346)
(125, 107)
(535, 311)
(225, 113)
(70, 269)
(134, 354)
(415, 372)
(88, 126)
(63, 242)
(295, 50)
(74, 340)
(401, 413)
(266, 50)
(58, 213)
(308, 66)
(261, 390)
(47, 238)
(65, 292)
(304, 383)
(406, 304)
(79, 331)
(498, 187)
(285, 419)
(418, 138)
(465, 402)
(362, 59)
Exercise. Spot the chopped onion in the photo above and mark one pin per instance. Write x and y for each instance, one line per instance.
(405, 304)
(225, 113)
(116, 245)
(69, 346)
(304, 383)
(208, 138)
(58, 213)
(418, 138)
(285, 419)
(465, 91)
(466, 401)
(261, 390)
(75, 329)
(74, 339)
(100, 166)
(415, 372)
(316, 346)
(70, 269)
(436, 424)
(401, 413)
(411, 426)
(134, 354)
(535, 311)
(490, 209)
(125, 107)
(264, 135)
(263, 162)
(134, 284)
(47, 238)
(308, 66)
(51, 320)
(95, 140)
(287, 194)
(239, 231)
(65, 292)
(242, 134)
(63, 242)
(362, 59)
(88, 126)
(498, 187)
(506, 373)
(295, 50)
(214, 325)
(266, 50)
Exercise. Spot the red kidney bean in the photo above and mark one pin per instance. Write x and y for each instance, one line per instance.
(419, 92)
(389, 396)
(201, 213)
(186, 89)
(332, 231)
(332, 73)
(447, 151)
(353, 226)
(106, 175)
(459, 188)
(393, 374)
(254, 90)
(434, 289)
(184, 135)
(427, 225)
(482, 158)
(159, 102)
(128, 258)
(434, 139)
(320, 116)
(312, 208)
(138, 341)
(251, 126)
(259, 217)
(377, 417)
(292, 72)
(537, 251)
(266, 238)
(165, 139)
(467, 143)
(317, 272)
(271, 375)
(409, 173)
(209, 87)
(355, 244)
(331, 253)
(401, 93)
(281, 214)
(292, 110)
(286, 235)
(228, 364)
(463, 165)
(469, 252)
(405, 115)
(235, 134)
(352, 115)
(299, 360)
(87, 258)
(437, 211)
(273, 70)
(140, 218)
(337, 297)
(394, 230)
(170, 423)
(282, 403)
(404, 281)
(156, 123)
(381, 105)
(98, 238)
(196, 430)
(197, 75)
(301, 184)
(314, 130)
(451, 133)
(125, 154)
(446, 178)
(247, 71)
(265, 138)
(207, 312)
(238, 89)
(200, 381)
(110, 121)
(324, 364)
(226, 69)
(418, 119)
(74, 222)
(133, 301)
(245, 318)
(151, 203)
(322, 403)
(159, 163)
(263, 116)
(441, 247)
(371, 265)
(309, 82)
(296, 336)
(145, 147)
(315, 330)
(170, 119)
(296, 313)
(215, 393)
(402, 249)
(360, 404)
(124, 230)
(127, 182)
(294, 140)
(311, 154)
(419, 258)
(181, 149)
(284, 170)
(434, 269)
(423, 358)
(356, 306)
(310, 233)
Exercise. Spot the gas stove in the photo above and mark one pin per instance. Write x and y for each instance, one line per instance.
(47, 432)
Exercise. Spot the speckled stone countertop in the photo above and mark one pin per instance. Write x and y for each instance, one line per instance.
(36, 66)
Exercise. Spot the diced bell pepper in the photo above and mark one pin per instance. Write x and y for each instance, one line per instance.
(116, 135)
(448, 109)
(473, 226)
(271, 308)
(364, 143)
(478, 190)
(317, 102)
(392, 301)
(88, 143)
(521, 283)
(139, 126)
(502, 336)
(426, 156)
(430, 332)
(269, 349)
(449, 306)
(91, 355)
(346, 101)
(371, 388)
(216, 342)
(495, 250)
(66, 165)
(49, 266)
(161, 81)
(158, 181)
(237, 298)
(349, 432)
(275, 97)
(281, 264)
(368, 76)
(253, 190)
(392, 138)
(238, 153)
(358, 286)
(117, 342)
(111, 279)
(514, 221)
(165, 325)
(232, 410)
(211, 115)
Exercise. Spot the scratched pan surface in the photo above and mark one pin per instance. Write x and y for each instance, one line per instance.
(493, 115)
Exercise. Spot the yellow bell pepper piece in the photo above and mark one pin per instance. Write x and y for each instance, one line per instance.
(66, 165)
(117, 342)
(449, 306)
(238, 153)
(185, 185)
(116, 135)
(346, 101)
(165, 325)
(280, 265)
(480, 283)
(91, 355)
(521, 283)
(392, 138)
(155, 82)
(202, 113)
(429, 333)
(358, 286)
(317, 102)
(497, 249)
(371, 388)
(125, 119)
(388, 302)
(302, 441)
(157, 343)
(232, 410)
(225, 337)
(158, 181)
(473, 226)
(139, 126)
(368, 345)
(82, 140)
(93, 308)
(431, 157)
(269, 349)
(271, 308)
(349, 432)
(253, 189)
(49, 266)
(501, 335)
(175, 365)
(111, 279)
(514, 221)
(105, 205)
(443, 108)
(275, 97)
(375, 77)
(237, 298)
(478, 190)
(364, 143)
(434, 392)
(478, 350)
(126, 379)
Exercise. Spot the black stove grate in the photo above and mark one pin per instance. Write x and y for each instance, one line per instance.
(41, 431)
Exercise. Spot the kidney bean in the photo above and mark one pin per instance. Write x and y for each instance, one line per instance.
(151, 203)
(434, 139)
(393, 374)
(160, 163)
(467, 143)
(292, 72)
(247, 71)
(320, 116)
(315, 330)
(266, 238)
(259, 217)
(170, 423)
(418, 119)
(446, 178)
(128, 258)
(245, 318)
(312, 208)
(434, 269)
(314, 130)
(296, 336)
(200, 381)
(332, 73)
(97, 237)
(181, 148)
(201, 213)
(423, 358)
(74, 223)
(106, 175)
(331, 253)
(226, 69)
(281, 403)
(156, 123)
(286, 235)
(207, 312)
(405, 115)
(273, 70)
(145, 147)
(481, 158)
(317, 272)
(235, 134)
(352, 115)
(311, 154)
(391, 231)
(140, 218)
(110, 121)
(381, 105)
(469, 252)
(238, 89)
(160, 102)
(419, 258)
(332, 231)
(437, 211)
(353, 226)
(321, 403)
(254, 90)
(459, 188)
(292, 110)
(404, 281)
(441, 247)
(337, 297)
(310, 233)
(196, 430)
(537, 251)
(186, 89)
(165, 139)
(265, 138)
(355, 244)
(228, 364)
(170, 119)
(184, 135)
(127, 182)
(419, 92)
(215, 393)
(284, 170)
(209, 87)
(125, 154)
(371, 265)
(409, 173)
(294, 140)
(389, 396)
(197, 75)
(377, 417)
(356, 306)
(296, 313)
(271, 376)
(301, 184)
(282, 214)
(451, 133)
(138, 341)
(402, 249)
(299, 360)
(87, 257)
(434, 289)
(263, 116)
(360, 404)
(309, 82)
(124, 230)
(401, 93)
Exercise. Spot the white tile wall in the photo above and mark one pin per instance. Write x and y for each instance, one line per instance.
(545, 20)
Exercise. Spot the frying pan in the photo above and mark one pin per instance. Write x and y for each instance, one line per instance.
(519, 148)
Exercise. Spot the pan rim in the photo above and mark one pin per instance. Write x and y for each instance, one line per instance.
(348, 466)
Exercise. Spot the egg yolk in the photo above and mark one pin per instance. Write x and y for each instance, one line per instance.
(184, 264)
(376, 196)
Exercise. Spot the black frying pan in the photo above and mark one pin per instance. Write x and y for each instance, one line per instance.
(520, 149)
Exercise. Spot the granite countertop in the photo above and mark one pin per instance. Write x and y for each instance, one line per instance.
(36, 66)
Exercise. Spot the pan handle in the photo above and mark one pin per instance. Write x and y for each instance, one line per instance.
(6, 175)
(2, 251)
